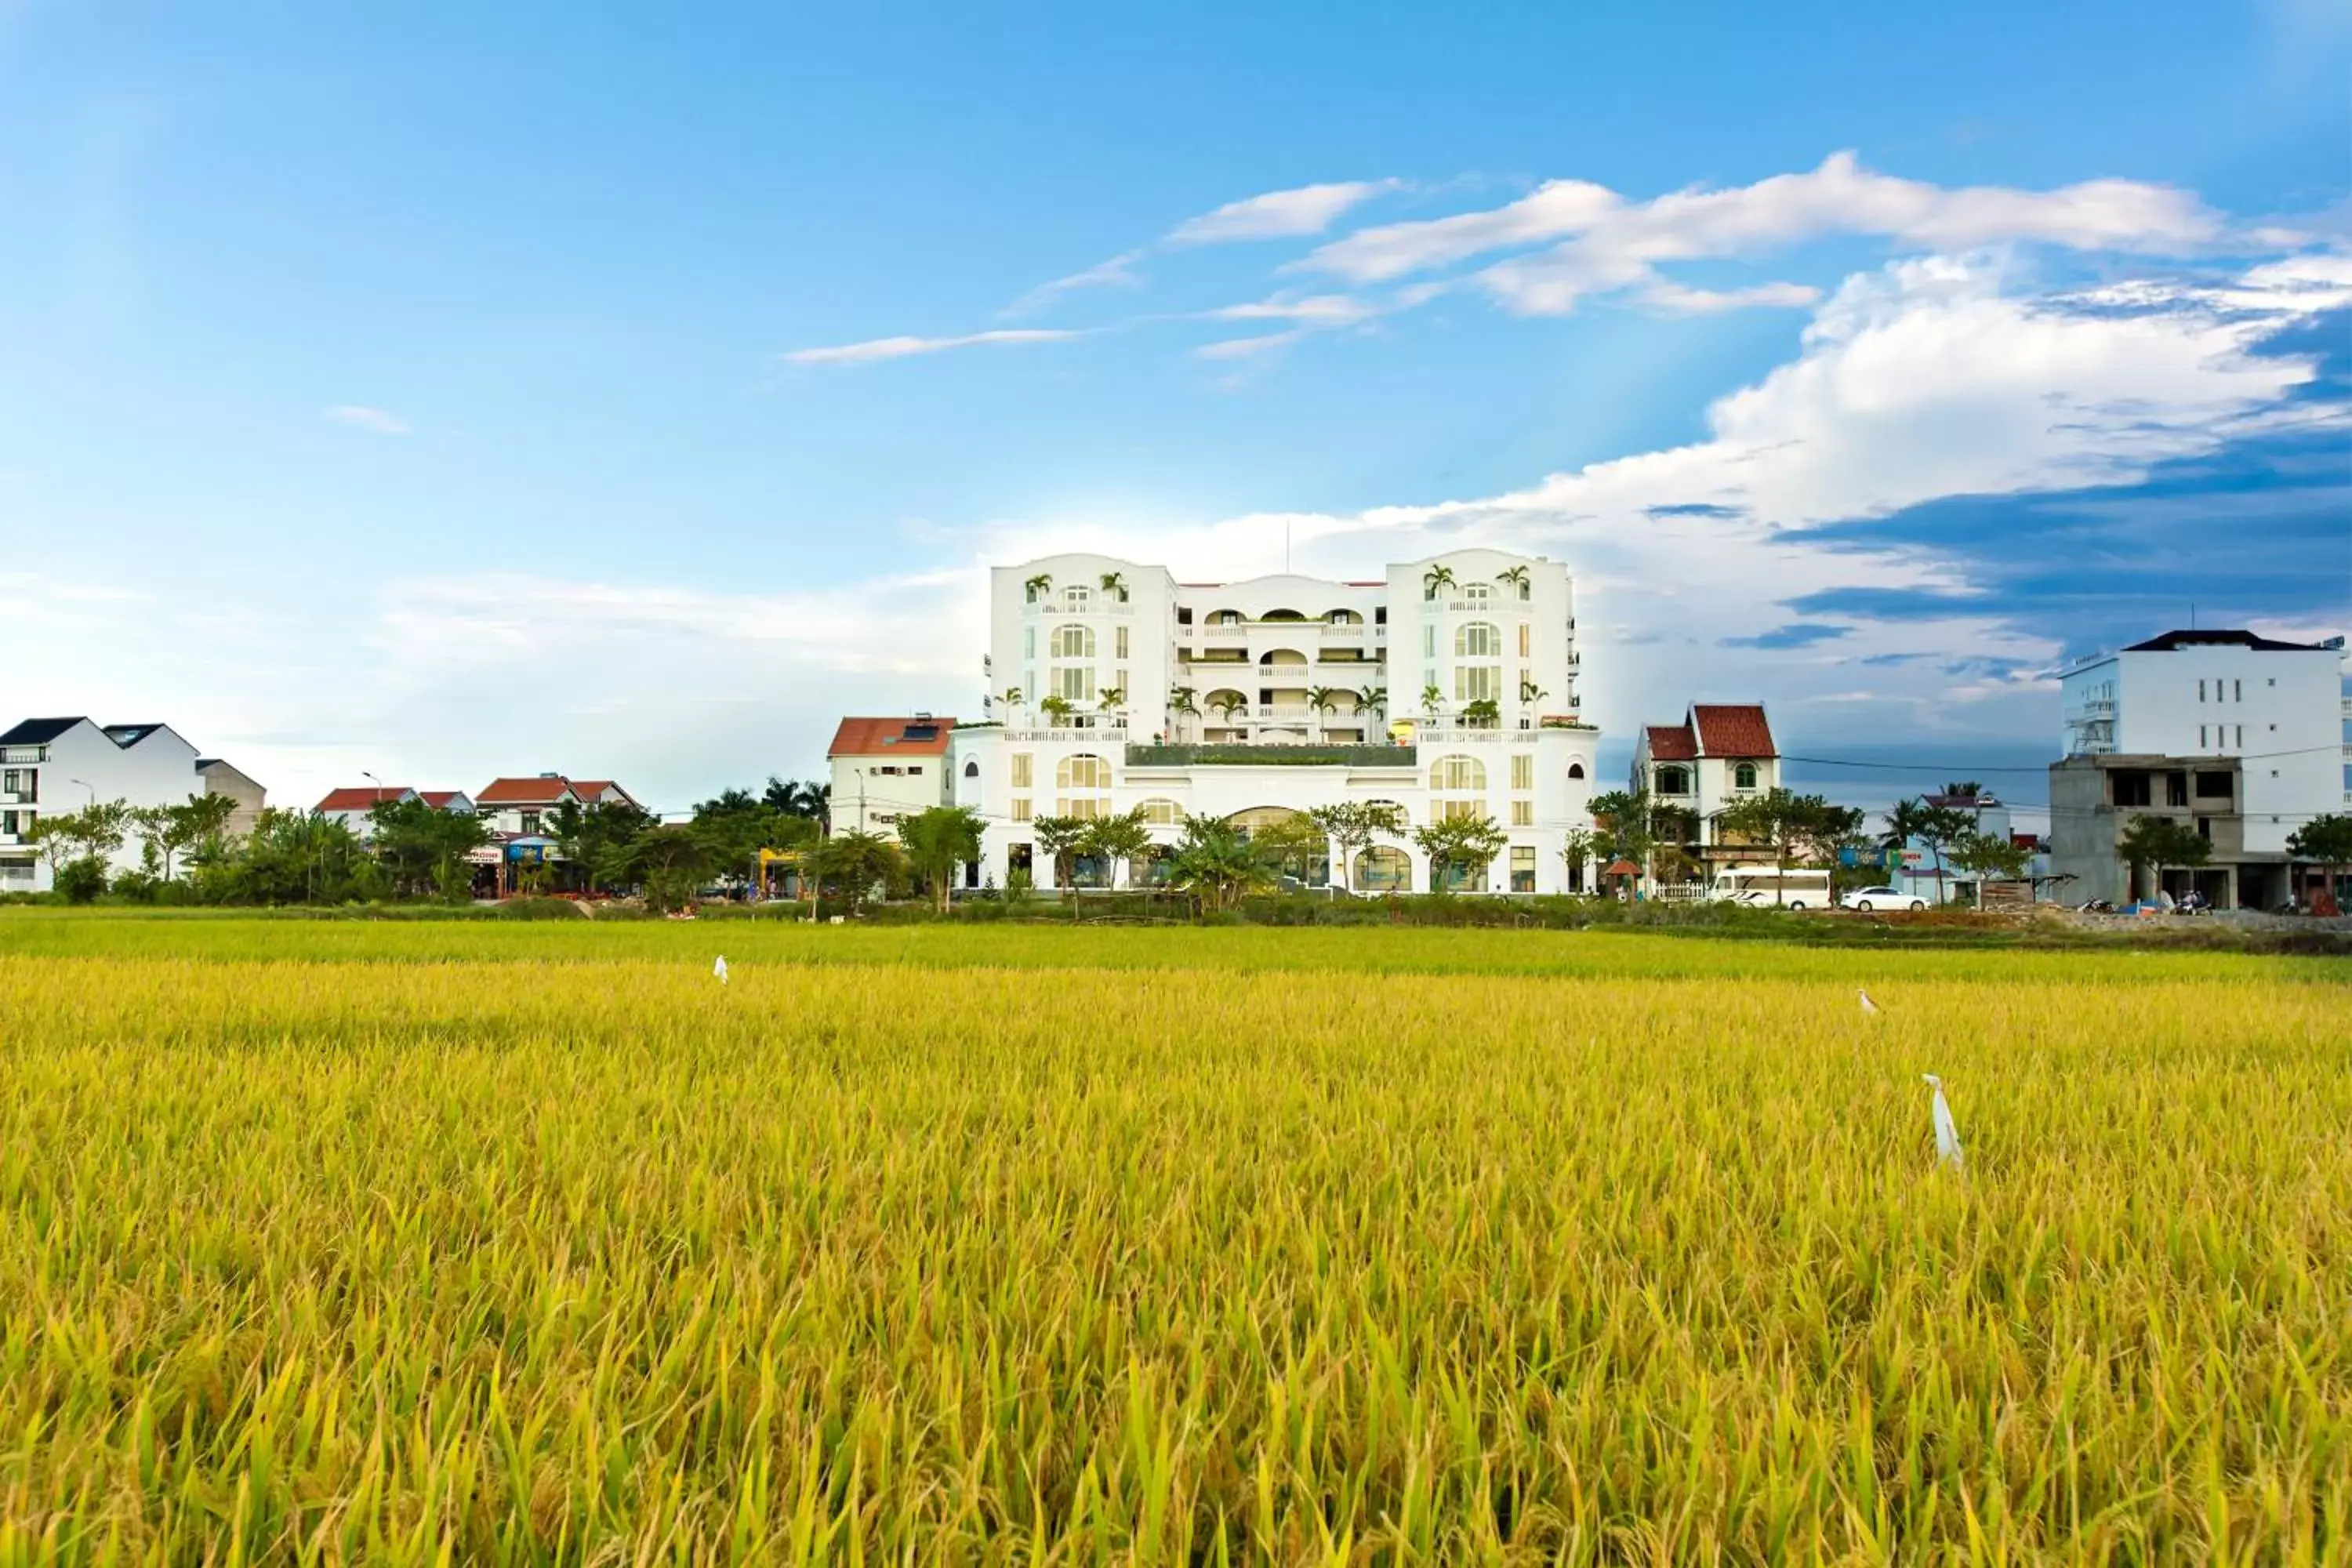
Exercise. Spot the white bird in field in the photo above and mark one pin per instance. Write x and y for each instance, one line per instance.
(1867, 1005)
(1947, 1132)
(720, 969)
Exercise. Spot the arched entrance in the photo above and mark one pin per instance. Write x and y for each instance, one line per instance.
(1383, 870)
(1306, 857)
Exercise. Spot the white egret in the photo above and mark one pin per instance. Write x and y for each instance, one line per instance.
(1947, 1132)
(1867, 1005)
(720, 969)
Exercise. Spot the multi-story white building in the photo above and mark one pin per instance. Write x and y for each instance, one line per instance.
(886, 769)
(1445, 687)
(52, 765)
(1720, 755)
(2241, 736)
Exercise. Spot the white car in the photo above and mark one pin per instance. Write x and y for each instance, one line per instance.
(1869, 898)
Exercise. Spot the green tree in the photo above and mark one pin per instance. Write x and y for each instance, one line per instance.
(82, 880)
(669, 860)
(1482, 713)
(1228, 703)
(2156, 842)
(855, 864)
(1058, 708)
(101, 829)
(1038, 586)
(1577, 848)
(197, 825)
(1468, 842)
(1434, 579)
(794, 798)
(1988, 856)
(1623, 820)
(1515, 577)
(1293, 845)
(1433, 697)
(293, 858)
(2327, 841)
(1216, 863)
(1353, 826)
(1183, 703)
(939, 841)
(1795, 827)
(53, 835)
(1115, 585)
(1062, 839)
(1934, 826)
(1117, 841)
(736, 826)
(421, 849)
(595, 840)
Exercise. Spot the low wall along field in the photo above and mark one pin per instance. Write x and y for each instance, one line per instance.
(343, 1242)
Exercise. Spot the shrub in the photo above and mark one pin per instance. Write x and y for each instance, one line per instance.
(81, 881)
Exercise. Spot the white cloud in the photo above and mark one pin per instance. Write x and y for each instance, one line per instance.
(1609, 243)
(1246, 348)
(1839, 198)
(1318, 309)
(875, 349)
(1678, 300)
(1277, 215)
(374, 420)
(1118, 272)
(1309, 209)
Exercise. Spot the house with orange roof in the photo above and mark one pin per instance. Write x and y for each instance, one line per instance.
(888, 769)
(1720, 755)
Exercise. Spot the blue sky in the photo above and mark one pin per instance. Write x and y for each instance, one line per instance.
(454, 390)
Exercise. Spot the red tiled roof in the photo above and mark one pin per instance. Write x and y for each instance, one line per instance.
(1672, 743)
(891, 736)
(361, 798)
(522, 792)
(1727, 731)
(438, 799)
(597, 791)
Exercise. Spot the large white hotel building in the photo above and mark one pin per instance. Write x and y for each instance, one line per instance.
(1447, 687)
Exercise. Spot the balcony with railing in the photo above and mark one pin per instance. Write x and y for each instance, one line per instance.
(1108, 733)
(19, 797)
(1085, 608)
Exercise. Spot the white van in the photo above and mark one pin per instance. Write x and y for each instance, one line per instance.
(1769, 887)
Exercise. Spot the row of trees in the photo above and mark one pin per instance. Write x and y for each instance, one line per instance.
(1459, 847)
(1799, 830)
(410, 850)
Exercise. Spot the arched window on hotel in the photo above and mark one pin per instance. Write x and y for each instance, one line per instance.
(1073, 642)
(1082, 787)
(1674, 780)
(1161, 812)
(1457, 774)
(1478, 640)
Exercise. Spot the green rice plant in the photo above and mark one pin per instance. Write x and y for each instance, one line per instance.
(523, 1244)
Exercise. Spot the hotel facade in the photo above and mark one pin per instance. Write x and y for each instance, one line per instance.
(1446, 687)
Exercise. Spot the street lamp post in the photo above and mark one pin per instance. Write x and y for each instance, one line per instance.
(89, 786)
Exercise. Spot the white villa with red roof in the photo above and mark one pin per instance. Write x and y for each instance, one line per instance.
(351, 805)
(886, 769)
(1720, 755)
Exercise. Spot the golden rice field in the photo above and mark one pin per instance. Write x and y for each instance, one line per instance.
(341, 1242)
